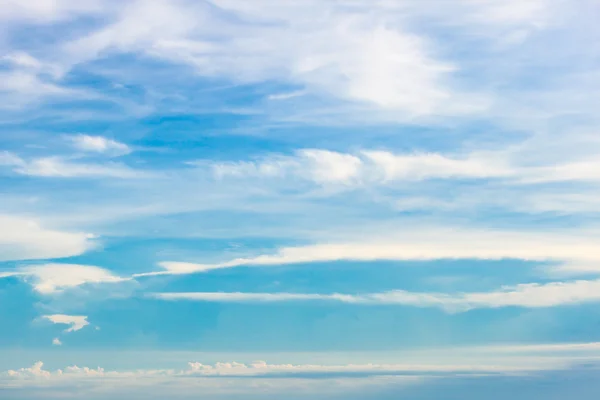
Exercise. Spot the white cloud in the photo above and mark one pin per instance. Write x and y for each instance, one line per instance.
(8, 274)
(252, 297)
(316, 165)
(372, 167)
(21, 87)
(262, 369)
(328, 166)
(285, 95)
(314, 380)
(534, 13)
(45, 10)
(368, 167)
(434, 165)
(75, 322)
(61, 168)
(99, 144)
(9, 159)
(56, 342)
(581, 170)
(427, 244)
(337, 52)
(364, 53)
(23, 62)
(54, 278)
(532, 295)
(25, 239)
(22, 59)
(32, 372)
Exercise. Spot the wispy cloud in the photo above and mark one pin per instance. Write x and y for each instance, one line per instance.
(524, 295)
(9, 159)
(426, 244)
(60, 168)
(319, 166)
(99, 144)
(376, 167)
(324, 55)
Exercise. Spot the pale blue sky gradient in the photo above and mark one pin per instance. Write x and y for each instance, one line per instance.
(373, 197)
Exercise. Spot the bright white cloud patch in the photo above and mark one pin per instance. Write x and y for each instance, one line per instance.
(56, 342)
(415, 167)
(75, 322)
(428, 244)
(24, 238)
(99, 144)
(53, 278)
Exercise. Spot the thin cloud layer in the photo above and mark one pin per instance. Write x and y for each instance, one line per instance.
(427, 244)
(531, 295)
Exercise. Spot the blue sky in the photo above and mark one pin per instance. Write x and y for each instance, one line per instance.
(316, 199)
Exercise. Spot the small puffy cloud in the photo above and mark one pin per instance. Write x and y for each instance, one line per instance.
(56, 342)
(75, 322)
(99, 144)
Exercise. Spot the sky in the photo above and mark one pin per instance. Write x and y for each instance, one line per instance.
(314, 199)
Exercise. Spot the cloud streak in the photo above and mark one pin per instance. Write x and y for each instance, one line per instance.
(531, 295)
(426, 244)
